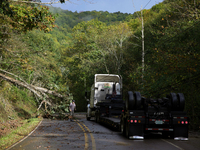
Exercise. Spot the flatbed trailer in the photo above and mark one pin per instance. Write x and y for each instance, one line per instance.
(108, 113)
(114, 123)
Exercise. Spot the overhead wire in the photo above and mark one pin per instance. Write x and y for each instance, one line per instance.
(146, 4)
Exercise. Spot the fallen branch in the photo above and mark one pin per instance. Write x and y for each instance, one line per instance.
(32, 88)
(19, 83)
(41, 89)
(13, 75)
(44, 101)
(38, 91)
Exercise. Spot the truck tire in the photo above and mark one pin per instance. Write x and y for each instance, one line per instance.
(181, 100)
(130, 102)
(138, 99)
(174, 101)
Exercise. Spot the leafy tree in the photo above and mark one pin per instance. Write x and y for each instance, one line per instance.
(111, 44)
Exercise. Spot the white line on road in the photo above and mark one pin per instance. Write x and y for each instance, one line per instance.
(173, 144)
(25, 137)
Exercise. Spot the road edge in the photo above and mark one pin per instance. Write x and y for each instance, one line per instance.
(25, 136)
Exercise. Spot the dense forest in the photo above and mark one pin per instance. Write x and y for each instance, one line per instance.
(60, 51)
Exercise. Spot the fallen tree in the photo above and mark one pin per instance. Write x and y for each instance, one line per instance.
(40, 92)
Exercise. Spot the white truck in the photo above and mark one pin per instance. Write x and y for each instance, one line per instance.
(106, 88)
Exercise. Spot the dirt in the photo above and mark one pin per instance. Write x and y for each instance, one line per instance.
(6, 128)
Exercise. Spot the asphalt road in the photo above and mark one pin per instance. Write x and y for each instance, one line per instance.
(82, 134)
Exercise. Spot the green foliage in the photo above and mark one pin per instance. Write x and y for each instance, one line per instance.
(66, 20)
(16, 134)
(16, 102)
(25, 17)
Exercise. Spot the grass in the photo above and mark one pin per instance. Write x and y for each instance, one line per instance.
(17, 134)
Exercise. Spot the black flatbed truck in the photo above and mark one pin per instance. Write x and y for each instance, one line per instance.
(136, 116)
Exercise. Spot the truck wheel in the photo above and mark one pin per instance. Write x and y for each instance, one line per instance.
(138, 100)
(88, 118)
(130, 103)
(174, 100)
(181, 100)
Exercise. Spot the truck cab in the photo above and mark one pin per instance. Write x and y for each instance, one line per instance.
(106, 87)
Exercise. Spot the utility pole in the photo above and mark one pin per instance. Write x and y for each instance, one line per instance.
(142, 46)
(142, 41)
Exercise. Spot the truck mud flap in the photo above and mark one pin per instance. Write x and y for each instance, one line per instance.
(181, 133)
(135, 131)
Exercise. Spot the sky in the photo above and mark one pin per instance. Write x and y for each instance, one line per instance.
(124, 6)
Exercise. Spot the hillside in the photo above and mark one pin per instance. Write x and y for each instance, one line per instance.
(66, 20)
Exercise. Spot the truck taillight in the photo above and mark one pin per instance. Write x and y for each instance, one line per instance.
(135, 121)
(186, 122)
(182, 122)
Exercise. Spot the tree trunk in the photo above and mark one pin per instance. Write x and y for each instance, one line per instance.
(32, 88)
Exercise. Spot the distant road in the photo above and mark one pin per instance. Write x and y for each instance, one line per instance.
(82, 134)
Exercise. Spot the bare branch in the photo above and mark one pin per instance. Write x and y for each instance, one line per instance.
(20, 84)
(13, 75)
(44, 101)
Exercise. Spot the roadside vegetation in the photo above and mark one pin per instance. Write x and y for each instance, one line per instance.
(49, 56)
(18, 132)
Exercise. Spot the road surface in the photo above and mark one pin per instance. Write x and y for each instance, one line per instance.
(88, 135)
